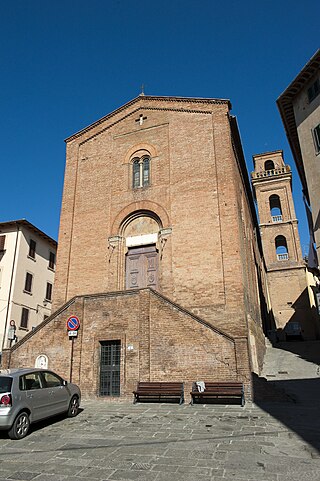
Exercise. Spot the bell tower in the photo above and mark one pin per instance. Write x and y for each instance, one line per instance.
(271, 181)
(286, 270)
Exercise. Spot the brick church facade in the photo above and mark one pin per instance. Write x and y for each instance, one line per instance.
(159, 253)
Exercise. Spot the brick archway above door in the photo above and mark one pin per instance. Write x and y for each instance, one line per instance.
(147, 207)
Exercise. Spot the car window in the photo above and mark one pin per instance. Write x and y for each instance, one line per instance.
(5, 384)
(51, 380)
(30, 381)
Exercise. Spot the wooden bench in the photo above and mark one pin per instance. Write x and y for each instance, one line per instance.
(216, 390)
(159, 390)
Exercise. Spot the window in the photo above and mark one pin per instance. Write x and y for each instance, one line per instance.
(140, 172)
(281, 248)
(146, 169)
(52, 260)
(5, 384)
(316, 137)
(52, 380)
(24, 318)
(28, 282)
(2, 242)
(136, 173)
(30, 381)
(275, 208)
(48, 292)
(268, 165)
(314, 90)
(32, 249)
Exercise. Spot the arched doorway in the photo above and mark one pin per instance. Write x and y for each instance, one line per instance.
(142, 258)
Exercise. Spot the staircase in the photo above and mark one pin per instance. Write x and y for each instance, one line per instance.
(293, 368)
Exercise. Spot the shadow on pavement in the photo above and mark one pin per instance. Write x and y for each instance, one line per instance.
(294, 402)
(307, 350)
(37, 426)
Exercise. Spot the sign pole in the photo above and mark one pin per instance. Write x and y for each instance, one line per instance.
(73, 325)
(71, 360)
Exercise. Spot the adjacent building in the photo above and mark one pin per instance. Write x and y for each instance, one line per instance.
(299, 106)
(27, 270)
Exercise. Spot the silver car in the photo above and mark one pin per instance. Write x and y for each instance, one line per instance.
(30, 395)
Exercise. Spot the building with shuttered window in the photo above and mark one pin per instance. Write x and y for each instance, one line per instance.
(27, 270)
(299, 107)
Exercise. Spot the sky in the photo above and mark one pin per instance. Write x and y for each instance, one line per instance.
(67, 63)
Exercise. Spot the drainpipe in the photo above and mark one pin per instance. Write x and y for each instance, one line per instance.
(10, 289)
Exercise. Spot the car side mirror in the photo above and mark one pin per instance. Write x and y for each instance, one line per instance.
(64, 383)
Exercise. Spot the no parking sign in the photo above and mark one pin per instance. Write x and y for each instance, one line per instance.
(73, 325)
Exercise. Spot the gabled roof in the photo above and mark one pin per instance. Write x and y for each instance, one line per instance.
(285, 106)
(145, 98)
(28, 225)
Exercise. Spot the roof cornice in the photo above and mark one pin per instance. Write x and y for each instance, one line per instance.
(149, 98)
(267, 154)
(285, 106)
(28, 225)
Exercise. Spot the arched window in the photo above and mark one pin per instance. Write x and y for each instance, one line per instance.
(275, 208)
(268, 165)
(281, 248)
(140, 172)
(146, 171)
(136, 173)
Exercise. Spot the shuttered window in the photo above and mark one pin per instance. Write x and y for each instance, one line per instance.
(52, 260)
(2, 242)
(316, 135)
(28, 283)
(32, 248)
(314, 90)
(49, 291)
(24, 318)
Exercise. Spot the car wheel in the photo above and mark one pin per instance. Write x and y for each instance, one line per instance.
(73, 407)
(20, 427)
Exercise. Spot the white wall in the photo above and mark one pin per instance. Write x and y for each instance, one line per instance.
(38, 267)
(6, 264)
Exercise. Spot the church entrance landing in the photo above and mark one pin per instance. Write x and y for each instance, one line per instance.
(142, 267)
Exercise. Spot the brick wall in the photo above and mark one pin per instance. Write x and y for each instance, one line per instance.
(195, 190)
(169, 343)
(286, 277)
(210, 263)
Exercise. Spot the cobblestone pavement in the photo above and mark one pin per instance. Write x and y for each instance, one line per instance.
(159, 442)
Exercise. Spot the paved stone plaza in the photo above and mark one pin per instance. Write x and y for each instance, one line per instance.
(122, 441)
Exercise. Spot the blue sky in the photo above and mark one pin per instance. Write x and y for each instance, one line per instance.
(67, 63)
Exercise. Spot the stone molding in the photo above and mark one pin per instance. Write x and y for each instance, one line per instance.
(143, 206)
(144, 98)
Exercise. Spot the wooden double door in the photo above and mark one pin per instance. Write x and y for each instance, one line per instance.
(142, 267)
